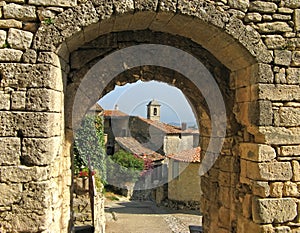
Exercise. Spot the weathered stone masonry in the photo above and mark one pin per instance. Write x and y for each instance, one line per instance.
(255, 184)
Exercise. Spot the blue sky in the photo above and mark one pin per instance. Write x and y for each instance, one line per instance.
(133, 98)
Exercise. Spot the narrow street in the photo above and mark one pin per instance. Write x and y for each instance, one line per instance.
(126, 216)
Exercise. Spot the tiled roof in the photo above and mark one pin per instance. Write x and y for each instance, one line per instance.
(133, 146)
(169, 129)
(114, 113)
(188, 156)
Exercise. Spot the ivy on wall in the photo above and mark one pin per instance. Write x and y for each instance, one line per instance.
(89, 146)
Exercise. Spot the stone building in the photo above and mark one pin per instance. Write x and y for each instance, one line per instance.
(184, 187)
(151, 132)
(57, 58)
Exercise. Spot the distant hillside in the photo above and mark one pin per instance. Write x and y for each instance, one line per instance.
(190, 124)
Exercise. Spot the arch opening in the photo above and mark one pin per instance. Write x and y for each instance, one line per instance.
(194, 95)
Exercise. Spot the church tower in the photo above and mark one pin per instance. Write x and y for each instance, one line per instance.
(153, 110)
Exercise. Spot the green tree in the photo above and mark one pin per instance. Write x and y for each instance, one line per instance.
(89, 145)
(123, 167)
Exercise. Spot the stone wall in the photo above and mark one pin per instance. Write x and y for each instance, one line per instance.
(253, 186)
(82, 206)
(185, 187)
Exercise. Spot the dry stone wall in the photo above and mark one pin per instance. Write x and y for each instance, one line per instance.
(253, 187)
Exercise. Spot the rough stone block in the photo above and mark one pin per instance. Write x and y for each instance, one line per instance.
(296, 58)
(296, 170)
(31, 76)
(241, 5)
(168, 5)
(293, 76)
(43, 100)
(260, 188)
(264, 74)
(290, 151)
(257, 152)
(277, 135)
(269, 171)
(29, 56)
(294, 4)
(276, 92)
(49, 58)
(253, 17)
(7, 126)
(297, 19)
(39, 151)
(274, 210)
(23, 174)
(10, 55)
(261, 113)
(146, 5)
(275, 42)
(263, 7)
(20, 12)
(274, 27)
(62, 3)
(30, 124)
(124, 6)
(276, 189)
(19, 39)
(39, 124)
(3, 35)
(282, 57)
(290, 189)
(4, 101)
(10, 151)
(18, 100)
(10, 23)
(289, 116)
(10, 193)
(37, 196)
(24, 221)
(43, 41)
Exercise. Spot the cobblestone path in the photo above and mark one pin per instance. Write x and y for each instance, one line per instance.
(144, 217)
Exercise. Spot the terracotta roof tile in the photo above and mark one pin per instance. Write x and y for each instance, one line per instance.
(114, 113)
(169, 129)
(132, 145)
(188, 156)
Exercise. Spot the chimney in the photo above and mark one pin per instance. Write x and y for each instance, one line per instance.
(183, 126)
(116, 107)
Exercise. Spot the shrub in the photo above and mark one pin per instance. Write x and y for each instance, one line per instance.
(123, 167)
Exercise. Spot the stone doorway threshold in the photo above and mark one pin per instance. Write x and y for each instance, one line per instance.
(84, 229)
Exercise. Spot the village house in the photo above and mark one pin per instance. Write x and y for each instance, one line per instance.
(184, 190)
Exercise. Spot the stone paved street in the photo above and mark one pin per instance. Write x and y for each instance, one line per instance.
(126, 216)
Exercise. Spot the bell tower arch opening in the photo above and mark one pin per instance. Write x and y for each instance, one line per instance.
(153, 110)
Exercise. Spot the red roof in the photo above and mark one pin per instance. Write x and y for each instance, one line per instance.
(169, 129)
(133, 146)
(114, 113)
(188, 156)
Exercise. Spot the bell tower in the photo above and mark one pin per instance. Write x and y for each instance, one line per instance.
(153, 110)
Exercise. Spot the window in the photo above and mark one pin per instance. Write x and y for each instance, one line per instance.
(155, 112)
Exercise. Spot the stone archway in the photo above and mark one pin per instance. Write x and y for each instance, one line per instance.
(227, 39)
(248, 171)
